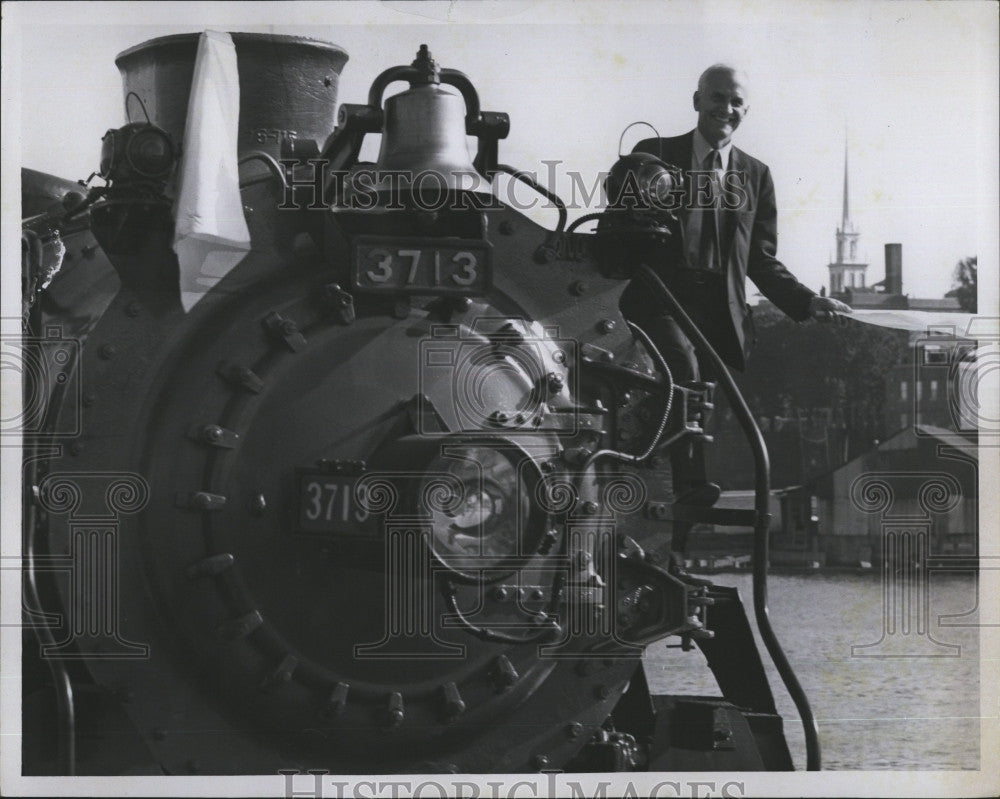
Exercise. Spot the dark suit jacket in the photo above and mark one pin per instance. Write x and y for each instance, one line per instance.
(750, 240)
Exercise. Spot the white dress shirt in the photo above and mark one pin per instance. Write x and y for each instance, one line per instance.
(701, 148)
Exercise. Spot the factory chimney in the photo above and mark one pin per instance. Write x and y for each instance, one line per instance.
(893, 269)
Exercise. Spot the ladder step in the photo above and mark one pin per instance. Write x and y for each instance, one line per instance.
(724, 517)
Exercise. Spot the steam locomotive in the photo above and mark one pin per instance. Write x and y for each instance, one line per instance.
(393, 496)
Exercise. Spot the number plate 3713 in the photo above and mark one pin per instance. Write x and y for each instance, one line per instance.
(421, 265)
(327, 505)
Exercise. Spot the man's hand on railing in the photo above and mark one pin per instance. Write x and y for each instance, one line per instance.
(827, 309)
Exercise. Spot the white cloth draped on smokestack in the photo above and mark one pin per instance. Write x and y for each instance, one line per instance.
(210, 235)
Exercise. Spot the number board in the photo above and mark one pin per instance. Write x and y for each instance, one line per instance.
(327, 505)
(422, 265)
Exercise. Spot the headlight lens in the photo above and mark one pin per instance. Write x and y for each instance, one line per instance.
(150, 153)
(658, 186)
(479, 506)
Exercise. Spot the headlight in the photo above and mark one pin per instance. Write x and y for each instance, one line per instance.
(658, 186)
(480, 508)
(138, 150)
(643, 183)
(150, 153)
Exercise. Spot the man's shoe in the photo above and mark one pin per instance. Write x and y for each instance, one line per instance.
(703, 495)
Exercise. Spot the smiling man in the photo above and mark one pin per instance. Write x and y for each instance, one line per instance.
(726, 232)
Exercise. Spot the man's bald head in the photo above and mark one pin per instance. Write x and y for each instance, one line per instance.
(721, 103)
(725, 70)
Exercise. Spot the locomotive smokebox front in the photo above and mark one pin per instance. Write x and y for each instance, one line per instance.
(391, 494)
(288, 86)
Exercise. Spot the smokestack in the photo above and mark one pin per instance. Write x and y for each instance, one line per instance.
(893, 269)
(288, 86)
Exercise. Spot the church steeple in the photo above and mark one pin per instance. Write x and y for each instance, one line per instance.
(845, 220)
(846, 273)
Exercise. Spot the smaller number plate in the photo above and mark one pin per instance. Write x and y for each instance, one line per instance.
(327, 505)
(421, 265)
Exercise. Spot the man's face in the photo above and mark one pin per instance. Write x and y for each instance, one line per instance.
(721, 105)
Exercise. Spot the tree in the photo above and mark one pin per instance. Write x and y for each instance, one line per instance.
(965, 284)
(799, 373)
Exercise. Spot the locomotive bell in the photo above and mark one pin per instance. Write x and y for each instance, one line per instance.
(424, 139)
(424, 152)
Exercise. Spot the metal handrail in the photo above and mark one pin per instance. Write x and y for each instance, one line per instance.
(762, 495)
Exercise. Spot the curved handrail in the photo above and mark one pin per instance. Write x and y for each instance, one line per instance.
(529, 180)
(762, 492)
(61, 683)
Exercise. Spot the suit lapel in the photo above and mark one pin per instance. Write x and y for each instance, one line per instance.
(677, 152)
(730, 218)
(681, 147)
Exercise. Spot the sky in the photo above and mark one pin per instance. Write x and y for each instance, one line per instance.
(910, 88)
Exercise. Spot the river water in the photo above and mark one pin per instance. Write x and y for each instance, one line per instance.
(918, 709)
